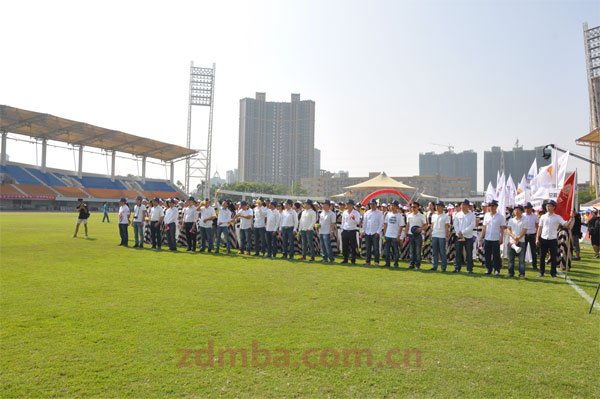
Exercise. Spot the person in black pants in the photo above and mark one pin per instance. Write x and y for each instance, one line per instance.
(190, 216)
(531, 224)
(350, 221)
(547, 236)
(493, 235)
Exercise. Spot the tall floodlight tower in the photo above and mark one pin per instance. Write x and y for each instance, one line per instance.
(202, 93)
(592, 57)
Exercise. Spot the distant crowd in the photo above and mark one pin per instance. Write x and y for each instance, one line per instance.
(383, 234)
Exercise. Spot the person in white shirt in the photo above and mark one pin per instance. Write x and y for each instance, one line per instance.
(139, 215)
(223, 221)
(190, 217)
(372, 228)
(440, 233)
(260, 220)
(272, 228)
(157, 215)
(207, 215)
(517, 231)
(493, 236)
(393, 232)
(547, 234)
(350, 221)
(415, 225)
(308, 219)
(327, 230)
(245, 215)
(124, 221)
(171, 215)
(288, 223)
(531, 220)
(464, 226)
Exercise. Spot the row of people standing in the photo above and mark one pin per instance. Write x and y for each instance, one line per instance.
(261, 227)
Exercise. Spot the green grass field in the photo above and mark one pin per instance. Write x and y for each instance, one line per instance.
(87, 318)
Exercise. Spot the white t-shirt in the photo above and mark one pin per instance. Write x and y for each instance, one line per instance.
(205, 213)
(308, 218)
(464, 223)
(288, 218)
(530, 222)
(394, 222)
(326, 219)
(124, 214)
(190, 214)
(224, 217)
(493, 226)
(517, 226)
(260, 214)
(415, 220)
(350, 220)
(156, 213)
(439, 222)
(373, 222)
(245, 223)
(549, 224)
(273, 216)
(138, 213)
(171, 215)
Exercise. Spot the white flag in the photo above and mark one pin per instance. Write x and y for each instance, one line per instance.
(522, 185)
(490, 193)
(533, 170)
(510, 192)
(561, 170)
(500, 187)
(542, 184)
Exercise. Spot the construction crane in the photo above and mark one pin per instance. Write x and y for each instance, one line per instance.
(449, 146)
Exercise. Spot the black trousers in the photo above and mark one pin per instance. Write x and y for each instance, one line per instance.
(124, 233)
(493, 258)
(190, 235)
(349, 245)
(372, 244)
(530, 242)
(545, 246)
(155, 236)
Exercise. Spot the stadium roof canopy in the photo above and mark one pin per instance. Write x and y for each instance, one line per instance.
(50, 127)
(592, 137)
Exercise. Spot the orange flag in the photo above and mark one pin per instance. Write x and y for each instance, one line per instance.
(564, 202)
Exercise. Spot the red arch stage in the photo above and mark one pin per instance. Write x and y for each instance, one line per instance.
(385, 191)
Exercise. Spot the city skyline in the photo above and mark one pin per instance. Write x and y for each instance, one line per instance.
(389, 78)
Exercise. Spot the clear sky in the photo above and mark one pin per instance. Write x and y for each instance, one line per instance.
(388, 77)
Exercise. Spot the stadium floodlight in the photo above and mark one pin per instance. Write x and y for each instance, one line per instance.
(202, 93)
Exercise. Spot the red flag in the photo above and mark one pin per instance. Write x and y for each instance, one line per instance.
(564, 202)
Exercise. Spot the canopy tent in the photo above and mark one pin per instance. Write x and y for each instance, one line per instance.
(592, 137)
(347, 194)
(44, 126)
(380, 181)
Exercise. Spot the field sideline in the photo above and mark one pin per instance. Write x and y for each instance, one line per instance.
(87, 318)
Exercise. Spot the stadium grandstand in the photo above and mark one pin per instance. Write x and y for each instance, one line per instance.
(34, 187)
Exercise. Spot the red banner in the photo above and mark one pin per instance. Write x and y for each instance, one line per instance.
(21, 196)
(564, 202)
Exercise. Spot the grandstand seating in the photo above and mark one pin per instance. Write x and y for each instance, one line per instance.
(19, 174)
(74, 192)
(156, 186)
(9, 189)
(36, 190)
(35, 183)
(100, 182)
(47, 178)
